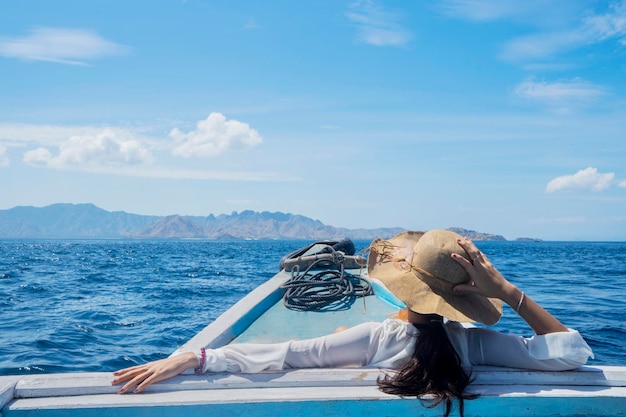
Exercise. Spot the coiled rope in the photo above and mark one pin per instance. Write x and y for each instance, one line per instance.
(327, 290)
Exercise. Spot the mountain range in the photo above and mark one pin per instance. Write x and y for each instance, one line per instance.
(87, 221)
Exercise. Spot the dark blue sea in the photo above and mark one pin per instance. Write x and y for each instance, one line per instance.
(99, 305)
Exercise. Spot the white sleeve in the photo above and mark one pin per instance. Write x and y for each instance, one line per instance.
(350, 347)
(374, 344)
(549, 352)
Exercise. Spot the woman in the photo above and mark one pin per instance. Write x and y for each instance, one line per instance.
(436, 274)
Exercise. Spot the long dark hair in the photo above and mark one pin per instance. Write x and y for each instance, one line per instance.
(435, 369)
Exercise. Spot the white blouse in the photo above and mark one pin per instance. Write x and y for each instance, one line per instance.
(390, 343)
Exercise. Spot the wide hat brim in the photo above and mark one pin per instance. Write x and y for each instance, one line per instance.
(418, 268)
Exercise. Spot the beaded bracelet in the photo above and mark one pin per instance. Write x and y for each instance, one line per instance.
(200, 369)
(519, 305)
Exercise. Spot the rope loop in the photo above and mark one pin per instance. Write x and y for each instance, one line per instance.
(327, 290)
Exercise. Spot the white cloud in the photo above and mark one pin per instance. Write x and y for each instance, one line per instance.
(66, 46)
(104, 149)
(592, 29)
(561, 96)
(126, 151)
(214, 136)
(622, 184)
(38, 157)
(585, 179)
(376, 26)
(4, 159)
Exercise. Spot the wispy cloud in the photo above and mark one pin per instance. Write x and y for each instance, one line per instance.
(24, 135)
(585, 179)
(608, 25)
(4, 159)
(594, 220)
(376, 26)
(561, 96)
(485, 10)
(65, 46)
(539, 46)
(560, 220)
(251, 24)
(214, 136)
(42, 158)
(559, 26)
(592, 29)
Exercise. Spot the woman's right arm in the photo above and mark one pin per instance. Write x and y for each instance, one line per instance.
(489, 282)
(554, 347)
(539, 319)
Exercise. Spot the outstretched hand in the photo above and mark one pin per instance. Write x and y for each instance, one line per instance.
(486, 279)
(141, 376)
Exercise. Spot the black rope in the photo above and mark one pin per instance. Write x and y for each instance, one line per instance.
(331, 289)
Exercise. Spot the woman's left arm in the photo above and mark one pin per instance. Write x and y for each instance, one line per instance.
(350, 347)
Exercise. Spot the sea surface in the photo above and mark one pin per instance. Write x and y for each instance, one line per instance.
(100, 305)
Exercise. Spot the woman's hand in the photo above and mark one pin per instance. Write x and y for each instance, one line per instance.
(488, 281)
(142, 376)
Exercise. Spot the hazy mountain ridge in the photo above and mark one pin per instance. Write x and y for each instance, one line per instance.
(75, 221)
(69, 221)
(474, 235)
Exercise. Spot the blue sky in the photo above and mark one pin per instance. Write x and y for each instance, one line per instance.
(506, 117)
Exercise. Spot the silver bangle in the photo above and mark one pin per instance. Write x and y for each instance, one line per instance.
(521, 300)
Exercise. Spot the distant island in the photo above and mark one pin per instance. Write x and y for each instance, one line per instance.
(87, 221)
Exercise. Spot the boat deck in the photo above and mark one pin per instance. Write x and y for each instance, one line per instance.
(279, 324)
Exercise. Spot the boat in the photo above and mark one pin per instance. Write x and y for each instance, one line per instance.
(264, 316)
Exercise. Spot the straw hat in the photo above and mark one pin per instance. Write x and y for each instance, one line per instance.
(418, 269)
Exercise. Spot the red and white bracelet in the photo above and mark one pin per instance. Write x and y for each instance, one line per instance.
(200, 369)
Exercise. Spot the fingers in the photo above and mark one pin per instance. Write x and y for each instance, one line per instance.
(470, 266)
(466, 289)
(145, 383)
(474, 254)
(141, 376)
(143, 379)
(462, 260)
(467, 244)
(125, 373)
(132, 376)
(135, 382)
